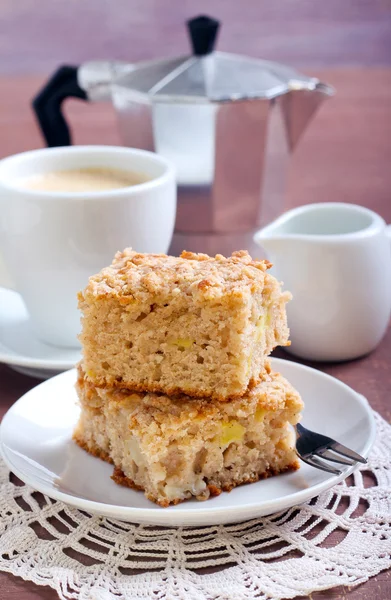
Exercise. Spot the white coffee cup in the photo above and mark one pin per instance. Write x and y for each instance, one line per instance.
(335, 258)
(51, 242)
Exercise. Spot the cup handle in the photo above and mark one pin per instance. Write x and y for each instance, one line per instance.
(5, 279)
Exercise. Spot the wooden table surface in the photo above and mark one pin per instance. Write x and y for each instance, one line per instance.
(344, 156)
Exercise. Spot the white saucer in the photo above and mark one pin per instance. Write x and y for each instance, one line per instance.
(19, 347)
(36, 444)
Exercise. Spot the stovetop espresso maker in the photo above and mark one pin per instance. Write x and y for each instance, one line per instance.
(227, 122)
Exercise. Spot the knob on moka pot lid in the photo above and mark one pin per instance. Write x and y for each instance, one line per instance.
(211, 76)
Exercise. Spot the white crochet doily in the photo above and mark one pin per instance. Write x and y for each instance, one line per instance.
(342, 537)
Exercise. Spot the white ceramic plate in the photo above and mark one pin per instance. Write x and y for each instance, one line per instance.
(35, 441)
(19, 347)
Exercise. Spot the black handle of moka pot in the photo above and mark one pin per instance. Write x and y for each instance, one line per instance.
(47, 105)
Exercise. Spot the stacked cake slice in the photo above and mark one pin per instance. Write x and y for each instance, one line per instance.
(175, 385)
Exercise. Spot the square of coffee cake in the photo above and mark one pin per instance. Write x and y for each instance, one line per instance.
(176, 448)
(192, 324)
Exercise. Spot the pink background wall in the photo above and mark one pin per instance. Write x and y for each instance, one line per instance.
(38, 35)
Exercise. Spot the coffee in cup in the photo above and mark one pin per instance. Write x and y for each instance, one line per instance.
(88, 179)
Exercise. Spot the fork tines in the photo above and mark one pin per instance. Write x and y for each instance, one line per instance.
(316, 449)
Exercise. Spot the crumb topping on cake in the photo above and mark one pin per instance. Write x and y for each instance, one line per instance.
(133, 275)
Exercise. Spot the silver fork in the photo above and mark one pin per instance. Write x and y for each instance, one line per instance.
(312, 447)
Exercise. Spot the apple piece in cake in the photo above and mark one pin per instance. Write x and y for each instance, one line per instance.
(176, 448)
(192, 324)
